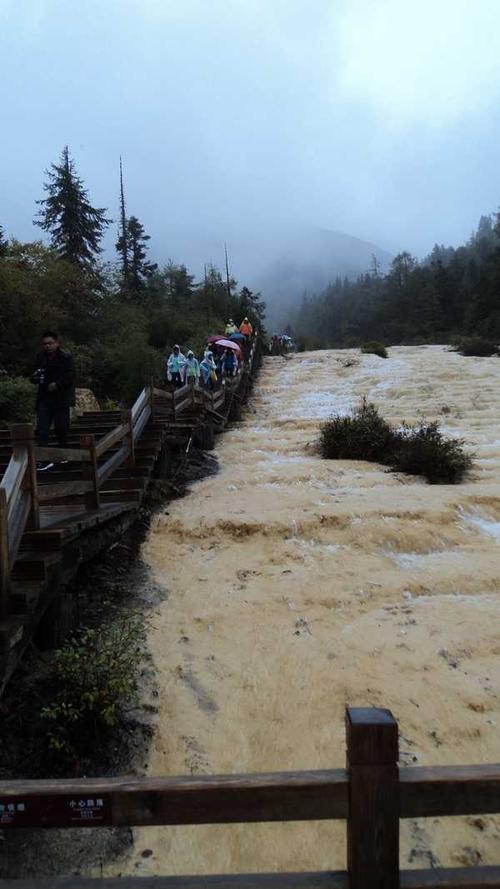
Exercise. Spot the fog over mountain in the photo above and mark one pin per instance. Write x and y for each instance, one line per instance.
(310, 260)
(244, 120)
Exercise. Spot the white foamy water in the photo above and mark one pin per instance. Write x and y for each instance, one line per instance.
(297, 585)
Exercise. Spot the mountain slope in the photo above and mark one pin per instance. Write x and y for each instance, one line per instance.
(308, 263)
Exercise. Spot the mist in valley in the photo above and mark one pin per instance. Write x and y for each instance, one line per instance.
(305, 136)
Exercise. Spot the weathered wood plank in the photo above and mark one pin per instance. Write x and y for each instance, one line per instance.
(18, 517)
(113, 463)
(63, 489)
(181, 392)
(162, 393)
(140, 402)
(452, 878)
(14, 474)
(183, 405)
(449, 790)
(331, 880)
(56, 455)
(373, 824)
(140, 422)
(213, 799)
(111, 439)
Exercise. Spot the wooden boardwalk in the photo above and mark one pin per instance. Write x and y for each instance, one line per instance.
(51, 522)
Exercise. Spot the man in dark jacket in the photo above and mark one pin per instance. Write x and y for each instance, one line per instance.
(55, 378)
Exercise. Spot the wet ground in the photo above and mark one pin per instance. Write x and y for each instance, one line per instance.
(296, 586)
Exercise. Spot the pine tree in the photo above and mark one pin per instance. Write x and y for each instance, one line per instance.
(140, 269)
(132, 247)
(121, 244)
(75, 226)
(4, 244)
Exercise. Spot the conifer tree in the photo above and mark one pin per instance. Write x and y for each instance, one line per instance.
(121, 244)
(133, 246)
(4, 244)
(75, 226)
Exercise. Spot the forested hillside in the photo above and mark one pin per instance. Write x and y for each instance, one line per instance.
(118, 318)
(452, 292)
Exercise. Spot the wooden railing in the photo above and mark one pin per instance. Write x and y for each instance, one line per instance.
(20, 496)
(372, 794)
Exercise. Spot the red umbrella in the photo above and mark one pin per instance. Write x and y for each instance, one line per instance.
(215, 339)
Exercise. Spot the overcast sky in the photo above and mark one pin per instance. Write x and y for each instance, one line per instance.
(237, 117)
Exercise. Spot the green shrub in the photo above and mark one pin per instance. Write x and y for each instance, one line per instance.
(423, 450)
(94, 674)
(17, 400)
(475, 346)
(374, 348)
(364, 436)
(416, 450)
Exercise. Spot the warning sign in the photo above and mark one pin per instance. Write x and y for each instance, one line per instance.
(56, 811)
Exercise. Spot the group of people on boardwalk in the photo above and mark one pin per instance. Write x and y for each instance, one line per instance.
(54, 376)
(221, 358)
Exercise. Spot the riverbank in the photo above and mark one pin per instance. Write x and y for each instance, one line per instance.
(297, 586)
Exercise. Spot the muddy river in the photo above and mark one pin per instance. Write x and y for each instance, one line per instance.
(296, 586)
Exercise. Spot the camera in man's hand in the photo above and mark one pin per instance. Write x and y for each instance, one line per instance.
(39, 376)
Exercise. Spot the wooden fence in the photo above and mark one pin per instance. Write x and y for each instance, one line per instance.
(21, 496)
(372, 794)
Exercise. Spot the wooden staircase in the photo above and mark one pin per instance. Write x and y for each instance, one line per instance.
(52, 521)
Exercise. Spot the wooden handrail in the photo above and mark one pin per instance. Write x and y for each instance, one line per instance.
(20, 495)
(445, 878)
(111, 439)
(140, 402)
(18, 504)
(14, 474)
(372, 794)
(259, 797)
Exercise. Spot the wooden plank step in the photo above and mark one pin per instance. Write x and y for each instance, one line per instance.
(23, 596)
(46, 539)
(31, 564)
(118, 496)
(131, 472)
(125, 484)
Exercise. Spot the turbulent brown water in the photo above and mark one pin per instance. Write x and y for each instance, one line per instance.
(298, 585)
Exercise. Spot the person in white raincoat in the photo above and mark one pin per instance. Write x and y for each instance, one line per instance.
(175, 366)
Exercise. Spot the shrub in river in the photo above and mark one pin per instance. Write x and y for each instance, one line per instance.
(374, 348)
(475, 346)
(363, 436)
(94, 675)
(423, 450)
(417, 450)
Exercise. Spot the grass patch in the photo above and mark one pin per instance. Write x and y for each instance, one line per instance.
(374, 348)
(416, 450)
(475, 346)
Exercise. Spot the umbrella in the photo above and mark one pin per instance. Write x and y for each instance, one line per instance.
(237, 336)
(227, 344)
(214, 339)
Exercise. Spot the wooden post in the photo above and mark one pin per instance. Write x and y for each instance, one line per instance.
(152, 398)
(4, 553)
(192, 390)
(92, 499)
(24, 436)
(373, 823)
(126, 418)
